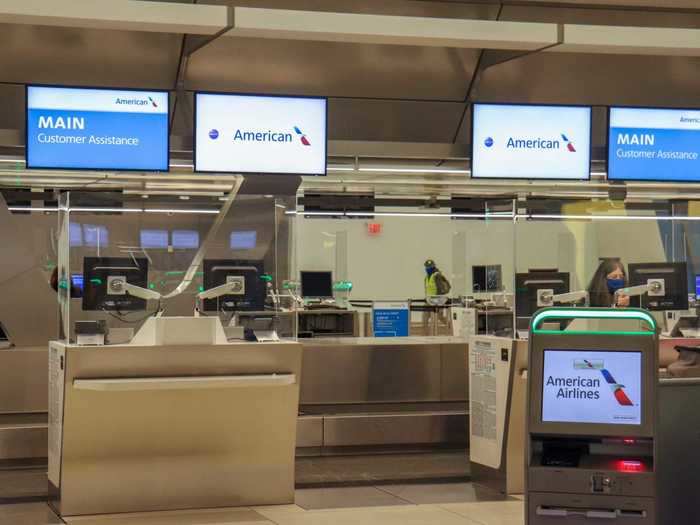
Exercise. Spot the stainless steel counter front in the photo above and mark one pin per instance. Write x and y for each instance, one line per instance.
(383, 392)
(143, 428)
(384, 370)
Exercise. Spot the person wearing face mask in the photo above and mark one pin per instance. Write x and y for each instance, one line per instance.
(608, 279)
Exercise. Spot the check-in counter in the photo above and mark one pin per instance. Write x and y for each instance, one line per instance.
(383, 391)
(136, 428)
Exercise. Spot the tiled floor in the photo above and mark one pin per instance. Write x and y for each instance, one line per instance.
(412, 504)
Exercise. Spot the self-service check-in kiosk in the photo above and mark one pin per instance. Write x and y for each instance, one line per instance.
(590, 446)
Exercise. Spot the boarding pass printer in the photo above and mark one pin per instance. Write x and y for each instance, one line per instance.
(592, 412)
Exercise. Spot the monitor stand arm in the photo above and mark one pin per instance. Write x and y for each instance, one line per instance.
(235, 286)
(654, 287)
(547, 298)
(117, 285)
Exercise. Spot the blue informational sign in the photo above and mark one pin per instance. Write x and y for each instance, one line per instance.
(391, 319)
(243, 240)
(95, 236)
(79, 128)
(154, 238)
(185, 239)
(654, 144)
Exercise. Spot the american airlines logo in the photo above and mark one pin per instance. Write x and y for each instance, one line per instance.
(241, 135)
(618, 389)
(136, 102)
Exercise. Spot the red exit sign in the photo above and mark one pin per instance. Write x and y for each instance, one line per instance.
(374, 228)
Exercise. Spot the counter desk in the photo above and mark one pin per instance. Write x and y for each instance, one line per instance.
(383, 391)
(136, 428)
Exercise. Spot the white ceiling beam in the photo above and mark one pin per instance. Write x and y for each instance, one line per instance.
(383, 29)
(128, 15)
(629, 40)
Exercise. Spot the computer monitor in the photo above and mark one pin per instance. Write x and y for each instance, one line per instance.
(97, 273)
(77, 281)
(317, 285)
(673, 294)
(697, 287)
(528, 289)
(216, 272)
(487, 278)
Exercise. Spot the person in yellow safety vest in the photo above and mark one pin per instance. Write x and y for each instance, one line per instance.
(435, 284)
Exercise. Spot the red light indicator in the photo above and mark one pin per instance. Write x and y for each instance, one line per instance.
(629, 441)
(630, 466)
(374, 228)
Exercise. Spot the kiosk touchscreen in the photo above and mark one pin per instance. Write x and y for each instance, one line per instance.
(587, 387)
(590, 451)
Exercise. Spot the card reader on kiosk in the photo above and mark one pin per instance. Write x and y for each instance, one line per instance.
(590, 442)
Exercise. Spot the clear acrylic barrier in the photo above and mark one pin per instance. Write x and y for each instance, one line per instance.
(377, 257)
(496, 259)
(169, 251)
(381, 256)
(576, 238)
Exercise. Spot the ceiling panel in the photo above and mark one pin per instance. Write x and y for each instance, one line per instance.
(645, 4)
(58, 55)
(393, 121)
(595, 80)
(12, 107)
(332, 69)
(337, 69)
(601, 16)
(421, 8)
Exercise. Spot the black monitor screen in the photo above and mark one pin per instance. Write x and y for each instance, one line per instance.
(216, 272)
(316, 284)
(673, 294)
(96, 274)
(486, 278)
(527, 288)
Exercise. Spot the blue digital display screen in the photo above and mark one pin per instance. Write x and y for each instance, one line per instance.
(186, 239)
(697, 286)
(654, 144)
(77, 280)
(75, 234)
(95, 236)
(244, 240)
(154, 238)
(80, 128)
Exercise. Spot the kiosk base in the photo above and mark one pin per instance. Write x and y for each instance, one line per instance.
(558, 509)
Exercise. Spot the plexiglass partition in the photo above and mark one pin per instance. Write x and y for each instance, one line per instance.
(636, 254)
(123, 259)
(509, 260)
(380, 257)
